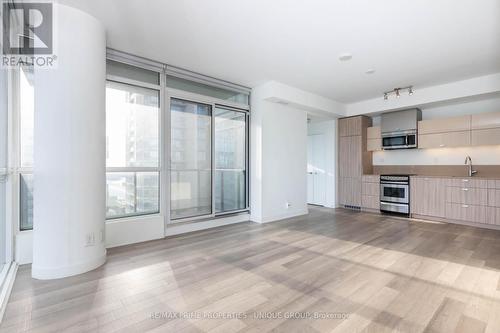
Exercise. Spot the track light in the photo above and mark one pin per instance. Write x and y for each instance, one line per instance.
(397, 92)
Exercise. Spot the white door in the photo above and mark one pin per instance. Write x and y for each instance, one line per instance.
(316, 174)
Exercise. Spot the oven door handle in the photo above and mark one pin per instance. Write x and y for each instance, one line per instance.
(394, 204)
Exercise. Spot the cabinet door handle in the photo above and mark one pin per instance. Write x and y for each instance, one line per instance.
(465, 180)
(465, 189)
(465, 206)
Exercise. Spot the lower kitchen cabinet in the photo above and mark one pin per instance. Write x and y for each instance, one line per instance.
(350, 191)
(466, 213)
(493, 215)
(428, 196)
(370, 192)
(370, 202)
(467, 196)
(456, 199)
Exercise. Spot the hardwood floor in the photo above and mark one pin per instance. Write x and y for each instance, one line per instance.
(364, 272)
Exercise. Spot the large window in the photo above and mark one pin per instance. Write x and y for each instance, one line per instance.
(132, 151)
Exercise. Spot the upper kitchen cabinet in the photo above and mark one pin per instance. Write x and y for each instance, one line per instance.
(373, 138)
(485, 129)
(353, 125)
(444, 132)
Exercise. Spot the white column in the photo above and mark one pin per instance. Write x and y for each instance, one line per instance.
(69, 165)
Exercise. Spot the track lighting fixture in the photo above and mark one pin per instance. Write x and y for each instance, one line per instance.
(397, 92)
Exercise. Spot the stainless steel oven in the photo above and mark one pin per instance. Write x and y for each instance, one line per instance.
(395, 194)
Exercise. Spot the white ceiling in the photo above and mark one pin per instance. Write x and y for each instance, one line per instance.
(297, 42)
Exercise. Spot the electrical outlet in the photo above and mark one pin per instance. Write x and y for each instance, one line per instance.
(90, 239)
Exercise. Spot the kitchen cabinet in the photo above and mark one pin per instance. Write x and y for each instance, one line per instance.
(485, 129)
(466, 213)
(373, 138)
(351, 126)
(350, 191)
(354, 159)
(485, 120)
(493, 215)
(444, 132)
(467, 182)
(493, 209)
(444, 125)
(484, 137)
(428, 196)
(442, 140)
(467, 196)
(370, 192)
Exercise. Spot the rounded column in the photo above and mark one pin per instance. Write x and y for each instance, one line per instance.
(69, 150)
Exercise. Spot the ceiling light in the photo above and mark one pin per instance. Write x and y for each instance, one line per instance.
(397, 92)
(345, 57)
(370, 71)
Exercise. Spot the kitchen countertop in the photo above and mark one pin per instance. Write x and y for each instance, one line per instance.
(432, 176)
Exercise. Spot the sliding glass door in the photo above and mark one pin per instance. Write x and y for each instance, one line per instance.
(202, 185)
(230, 159)
(190, 159)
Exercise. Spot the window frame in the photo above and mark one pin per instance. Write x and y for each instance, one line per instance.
(213, 102)
(159, 168)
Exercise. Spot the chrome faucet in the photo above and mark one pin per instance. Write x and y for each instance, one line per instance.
(468, 161)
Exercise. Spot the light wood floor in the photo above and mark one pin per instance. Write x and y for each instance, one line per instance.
(371, 273)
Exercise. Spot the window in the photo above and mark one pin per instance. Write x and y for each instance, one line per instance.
(198, 185)
(191, 159)
(27, 114)
(26, 108)
(26, 202)
(132, 150)
(207, 90)
(230, 159)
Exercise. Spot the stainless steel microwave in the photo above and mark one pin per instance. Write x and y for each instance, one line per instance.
(399, 140)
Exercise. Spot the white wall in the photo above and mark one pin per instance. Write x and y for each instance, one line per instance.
(278, 159)
(328, 128)
(485, 155)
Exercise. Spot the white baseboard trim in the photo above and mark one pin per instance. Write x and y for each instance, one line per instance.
(48, 273)
(280, 217)
(181, 228)
(6, 287)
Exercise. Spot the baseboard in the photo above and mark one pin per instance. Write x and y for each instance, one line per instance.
(185, 227)
(48, 273)
(6, 288)
(280, 217)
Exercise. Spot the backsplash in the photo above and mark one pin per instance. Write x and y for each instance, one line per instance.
(484, 155)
